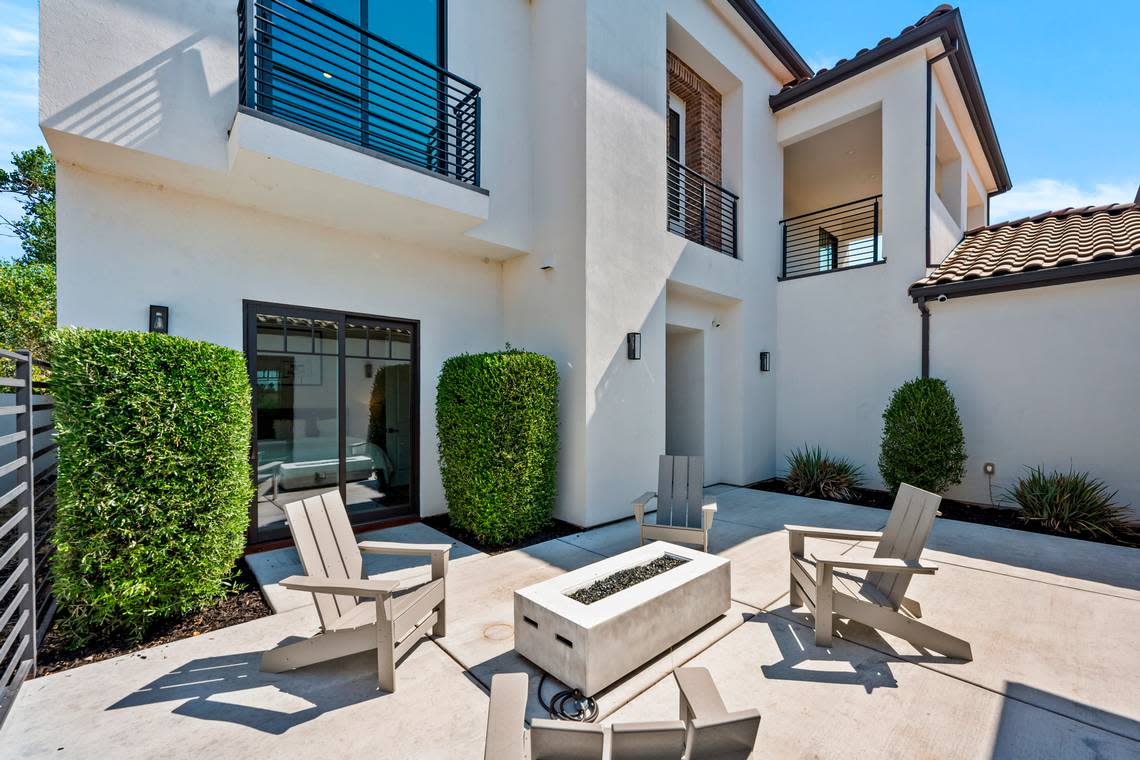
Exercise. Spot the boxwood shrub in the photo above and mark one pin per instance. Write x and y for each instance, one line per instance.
(497, 418)
(923, 442)
(154, 478)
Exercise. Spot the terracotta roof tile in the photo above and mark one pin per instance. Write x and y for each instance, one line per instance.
(1070, 237)
(940, 10)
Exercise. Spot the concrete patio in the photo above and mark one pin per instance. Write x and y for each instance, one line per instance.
(1054, 624)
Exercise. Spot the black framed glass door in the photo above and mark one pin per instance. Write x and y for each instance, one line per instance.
(335, 400)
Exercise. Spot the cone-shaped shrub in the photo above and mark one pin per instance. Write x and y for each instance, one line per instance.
(154, 481)
(497, 418)
(923, 443)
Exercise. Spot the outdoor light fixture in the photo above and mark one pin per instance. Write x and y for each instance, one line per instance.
(633, 345)
(159, 319)
(765, 361)
(368, 369)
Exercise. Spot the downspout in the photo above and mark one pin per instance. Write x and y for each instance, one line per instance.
(951, 49)
(925, 311)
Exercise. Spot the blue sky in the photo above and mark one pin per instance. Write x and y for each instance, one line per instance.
(1061, 81)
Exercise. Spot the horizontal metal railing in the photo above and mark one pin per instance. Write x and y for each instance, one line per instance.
(699, 209)
(27, 509)
(839, 237)
(301, 63)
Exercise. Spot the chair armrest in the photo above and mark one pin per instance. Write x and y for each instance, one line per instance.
(641, 502)
(506, 711)
(841, 533)
(880, 564)
(375, 589)
(439, 553)
(710, 507)
(699, 695)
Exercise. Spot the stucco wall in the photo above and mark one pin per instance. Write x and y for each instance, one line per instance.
(1045, 377)
(124, 245)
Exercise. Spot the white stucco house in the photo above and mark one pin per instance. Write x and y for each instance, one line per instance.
(351, 192)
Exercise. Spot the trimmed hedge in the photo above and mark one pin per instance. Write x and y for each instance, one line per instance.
(154, 478)
(923, 442)
(497, 418)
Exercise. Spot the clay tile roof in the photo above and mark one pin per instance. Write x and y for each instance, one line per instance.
(940, 10)
(1072, 237)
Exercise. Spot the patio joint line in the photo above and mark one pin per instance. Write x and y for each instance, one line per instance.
(898, 658)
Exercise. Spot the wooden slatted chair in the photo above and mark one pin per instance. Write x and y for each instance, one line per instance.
(682, 515)
(713, 731)
(357, 613)
(878, 600)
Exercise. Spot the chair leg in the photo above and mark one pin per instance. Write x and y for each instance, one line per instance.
(440, 627)
(911, 606)
(385, 656)
(823, 604)
(320, 648)
(795, 598)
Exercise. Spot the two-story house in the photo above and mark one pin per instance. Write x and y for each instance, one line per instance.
(713, 241)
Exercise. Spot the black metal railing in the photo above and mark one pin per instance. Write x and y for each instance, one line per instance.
(314, 69)
(27, 509)
(839, 237)
(699, 209)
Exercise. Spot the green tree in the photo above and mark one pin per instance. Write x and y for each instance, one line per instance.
(32, 181)
(27, 307)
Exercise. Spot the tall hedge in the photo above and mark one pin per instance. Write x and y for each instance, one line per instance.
(154, 478)
(497, 418)
(923, 441)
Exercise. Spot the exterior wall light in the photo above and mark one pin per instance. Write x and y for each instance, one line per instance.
(765, 361)
(633, 345)
(159, 321)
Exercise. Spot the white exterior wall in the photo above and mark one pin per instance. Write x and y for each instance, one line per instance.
(1044, 377)
(124, 245)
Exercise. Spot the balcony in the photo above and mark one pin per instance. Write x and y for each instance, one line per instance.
(846, 236)
(700, 210)
(304, 66)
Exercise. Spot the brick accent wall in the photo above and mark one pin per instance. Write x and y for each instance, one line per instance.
(702, 117)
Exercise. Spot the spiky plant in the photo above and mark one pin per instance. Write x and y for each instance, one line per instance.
(814, 472)
(1072, 502)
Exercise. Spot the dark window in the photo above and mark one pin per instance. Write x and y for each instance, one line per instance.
(674, 135)
(828, 250)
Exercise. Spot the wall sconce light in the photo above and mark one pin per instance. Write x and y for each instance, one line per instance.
(159, 319)
(765, 361)
(633, 345)
(368, 369)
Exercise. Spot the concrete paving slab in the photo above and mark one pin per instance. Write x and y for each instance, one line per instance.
(272, 566)
(1074, 651)
(850, 701)
(205, 697)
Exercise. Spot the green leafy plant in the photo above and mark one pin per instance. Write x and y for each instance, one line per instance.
(1072, 502)
(923, 443)
(497, 418)
(813, 472)
(154, 478)
(27, 307)
(32, 181)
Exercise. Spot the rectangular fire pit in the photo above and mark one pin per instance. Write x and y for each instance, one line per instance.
(589, 646)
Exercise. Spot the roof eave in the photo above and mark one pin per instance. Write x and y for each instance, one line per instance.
(764, 27)
(949, 29)
(1094, 270)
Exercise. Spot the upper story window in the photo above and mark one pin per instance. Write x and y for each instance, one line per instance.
(368, 72)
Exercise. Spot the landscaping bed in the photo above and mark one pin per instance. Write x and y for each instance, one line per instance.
(241, 607)
(556, 529)
(623, 579)
(998, 517)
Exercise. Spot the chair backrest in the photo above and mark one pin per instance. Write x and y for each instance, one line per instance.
(908, 527)
(680, 491)
(327, 547)
(659, 740)
(565, 740)
(730, 736)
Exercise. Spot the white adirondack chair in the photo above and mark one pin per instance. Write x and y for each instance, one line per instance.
(823, 583)
(357, 613)
(682, 515)
(706, 731)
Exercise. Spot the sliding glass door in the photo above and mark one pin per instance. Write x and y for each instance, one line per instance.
(335, 406)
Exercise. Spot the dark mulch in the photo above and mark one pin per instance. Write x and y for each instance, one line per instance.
(557, 529)
(623, 579)
(999, 517)
(241, 607)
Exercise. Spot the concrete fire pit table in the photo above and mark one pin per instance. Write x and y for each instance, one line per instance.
(589, 646)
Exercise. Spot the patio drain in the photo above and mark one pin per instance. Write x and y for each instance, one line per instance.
(498, 631)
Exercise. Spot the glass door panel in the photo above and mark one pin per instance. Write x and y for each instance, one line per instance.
(335, 407)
